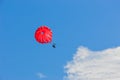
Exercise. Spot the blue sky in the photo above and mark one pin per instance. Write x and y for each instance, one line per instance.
(91, 23)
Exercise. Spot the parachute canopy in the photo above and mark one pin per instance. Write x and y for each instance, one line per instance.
(43, 35)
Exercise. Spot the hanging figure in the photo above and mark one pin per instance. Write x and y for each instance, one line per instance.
(54, 45)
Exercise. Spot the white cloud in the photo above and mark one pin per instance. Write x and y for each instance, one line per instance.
(40, 75)
(94, 65)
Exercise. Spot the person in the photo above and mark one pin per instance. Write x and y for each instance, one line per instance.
(54, 45)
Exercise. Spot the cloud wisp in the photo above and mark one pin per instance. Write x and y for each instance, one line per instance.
(94, 65)
(40, 75)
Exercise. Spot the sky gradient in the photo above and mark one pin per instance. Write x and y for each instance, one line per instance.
(90, 23)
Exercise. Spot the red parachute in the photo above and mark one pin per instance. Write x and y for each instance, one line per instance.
(43, 35)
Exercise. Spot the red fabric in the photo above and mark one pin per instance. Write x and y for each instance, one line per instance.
(43, 35)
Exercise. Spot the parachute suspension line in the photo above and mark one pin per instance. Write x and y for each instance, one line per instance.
(53, 45)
